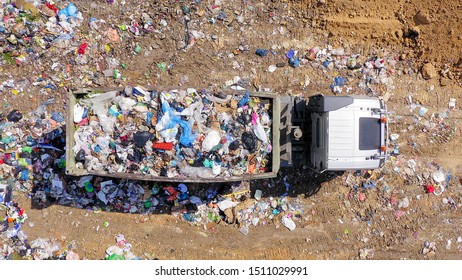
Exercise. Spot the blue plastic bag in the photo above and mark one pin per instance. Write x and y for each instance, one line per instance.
(261, 52)
(290, 54)
(339, 82)
(69, 11)
(294, 62)
(169, 120)
(244, 100)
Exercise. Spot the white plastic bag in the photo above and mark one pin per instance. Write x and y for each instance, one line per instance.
(260, 132)
(100, 105)
(78, 113)
(288, 223)
(169, 135)
(125, 103)
(211, 140)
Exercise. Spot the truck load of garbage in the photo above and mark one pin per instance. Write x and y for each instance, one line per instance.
(171, 135)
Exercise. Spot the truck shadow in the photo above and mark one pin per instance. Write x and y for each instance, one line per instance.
(294, 182)
(165, 198)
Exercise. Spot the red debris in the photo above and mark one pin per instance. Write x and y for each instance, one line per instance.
(52, 7)
(430, 188)
(84, 121)
(82, 48)
(162, 146)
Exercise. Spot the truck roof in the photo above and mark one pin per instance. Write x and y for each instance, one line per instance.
(354, 132)
(354, 135)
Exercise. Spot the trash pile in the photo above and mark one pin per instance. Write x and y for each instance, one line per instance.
(236, 207)
(175, 134)
(32, 161)
(431, 176)
(14, 239)
(28, 29)
(30, 147)
(270, 211)
(120, 251)
(195, 204)
(16, 246)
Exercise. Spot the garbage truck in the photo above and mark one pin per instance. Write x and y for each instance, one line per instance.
(191, 135)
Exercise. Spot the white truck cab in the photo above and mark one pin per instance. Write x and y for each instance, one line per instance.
(347, 132)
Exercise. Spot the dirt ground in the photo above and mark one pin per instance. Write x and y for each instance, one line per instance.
(335, 224)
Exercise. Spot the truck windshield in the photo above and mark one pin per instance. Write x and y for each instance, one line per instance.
(369, 133)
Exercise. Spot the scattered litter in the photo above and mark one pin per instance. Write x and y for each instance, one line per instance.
(120, 251)
(366, 253)
(429, 249)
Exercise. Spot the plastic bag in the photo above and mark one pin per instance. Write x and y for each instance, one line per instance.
(216, 168)
(82, 138)
(200, 120)
(164, 122)
(195, 172)
(244, 100)
(260, 132)
(69, 11)
(225, 204)
(125, 103)
(169, 135)
(234, 145)
(100, 105)
(288, 223)
(216, 99)
(141, 137)
(41, 109)
(211, 140)
(265, 119)
(188, 111)
(170, 120)
(14, 116)
(249, 141)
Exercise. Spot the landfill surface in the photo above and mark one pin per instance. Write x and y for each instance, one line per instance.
(406, 53)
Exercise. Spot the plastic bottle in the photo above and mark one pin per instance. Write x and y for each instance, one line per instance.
(115, 257)
(216, 168)
(244, 230)
(258, 194)
(448, 178)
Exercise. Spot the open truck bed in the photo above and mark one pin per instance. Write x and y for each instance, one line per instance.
(75, 168)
